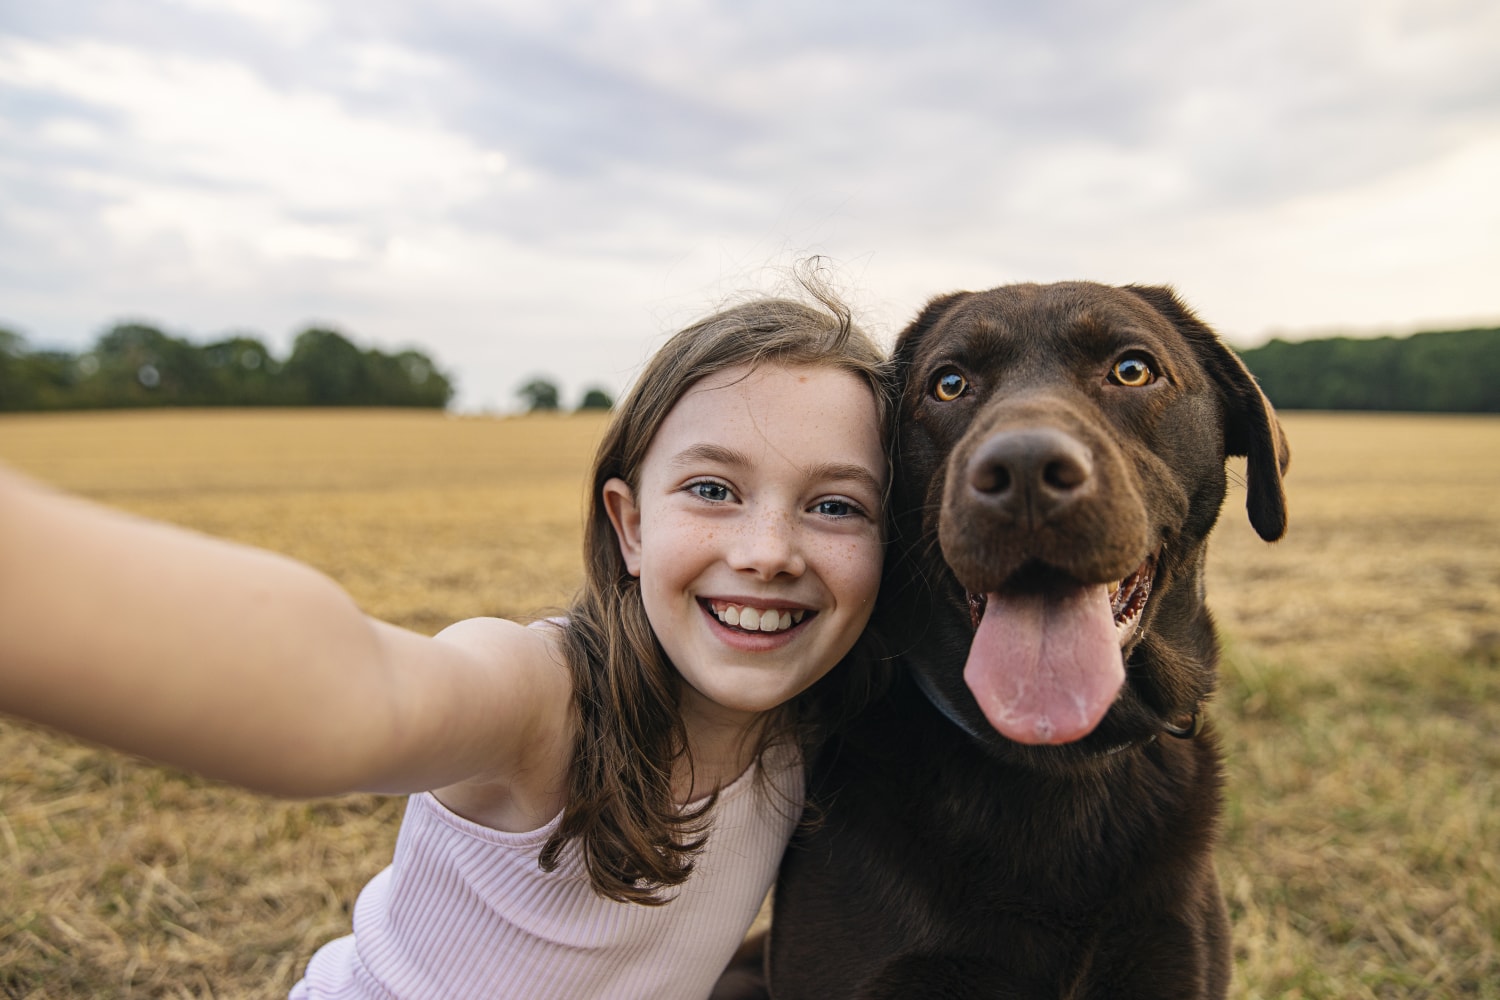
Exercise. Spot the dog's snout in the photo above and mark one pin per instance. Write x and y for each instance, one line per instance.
(1031, 475)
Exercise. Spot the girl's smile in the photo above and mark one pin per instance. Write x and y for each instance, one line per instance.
(757, 625)
(766, 619)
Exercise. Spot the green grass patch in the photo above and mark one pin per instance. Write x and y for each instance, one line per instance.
(1361, 850)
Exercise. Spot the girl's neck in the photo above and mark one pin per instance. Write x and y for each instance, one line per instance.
(721, 746)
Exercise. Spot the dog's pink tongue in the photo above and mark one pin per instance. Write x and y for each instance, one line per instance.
(1045, 669)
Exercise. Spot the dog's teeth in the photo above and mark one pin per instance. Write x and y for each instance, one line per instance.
(1114, 588)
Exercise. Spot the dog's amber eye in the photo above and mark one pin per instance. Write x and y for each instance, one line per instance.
(1133, 372)
(949, 386)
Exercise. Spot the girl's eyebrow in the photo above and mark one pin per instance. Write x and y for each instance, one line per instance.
(715, 454)
(836, 471)
(847, 472)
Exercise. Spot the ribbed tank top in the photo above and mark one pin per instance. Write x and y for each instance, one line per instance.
(464, 910)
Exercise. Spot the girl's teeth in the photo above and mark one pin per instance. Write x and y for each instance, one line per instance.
(758, 620)
(775, 621)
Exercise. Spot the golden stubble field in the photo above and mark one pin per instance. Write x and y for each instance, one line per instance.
(1360, 704)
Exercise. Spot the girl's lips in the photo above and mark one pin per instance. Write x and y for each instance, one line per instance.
(754, 617)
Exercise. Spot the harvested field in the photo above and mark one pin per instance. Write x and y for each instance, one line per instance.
(1360, 705)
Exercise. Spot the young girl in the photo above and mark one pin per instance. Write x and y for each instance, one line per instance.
(603, 798)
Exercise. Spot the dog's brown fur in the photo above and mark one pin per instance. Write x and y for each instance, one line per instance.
(950, 861)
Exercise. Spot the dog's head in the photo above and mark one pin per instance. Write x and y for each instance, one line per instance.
(1060, 457)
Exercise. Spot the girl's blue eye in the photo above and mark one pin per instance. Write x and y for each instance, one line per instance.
(836, 508)
(710, 491)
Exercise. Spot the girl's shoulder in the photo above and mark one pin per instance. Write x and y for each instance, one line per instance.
(533, 658)
(533, 651)
(527, 787)
(541, 641)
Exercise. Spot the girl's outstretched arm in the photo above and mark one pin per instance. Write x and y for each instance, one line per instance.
(248, 666)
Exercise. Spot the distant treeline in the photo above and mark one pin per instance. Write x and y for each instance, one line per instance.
(137, 365)
(133, 364)
(1457, 371)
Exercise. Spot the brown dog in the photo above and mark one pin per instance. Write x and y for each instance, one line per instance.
(1031, 811)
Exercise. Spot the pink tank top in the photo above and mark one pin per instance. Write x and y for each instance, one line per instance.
(464, 911)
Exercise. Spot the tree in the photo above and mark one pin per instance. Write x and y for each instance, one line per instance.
(139, 365)
(539, 395)
(407, 379)
(1453, 371)
(16, 390)
(596, 399)
(242, 372)
(326, 369)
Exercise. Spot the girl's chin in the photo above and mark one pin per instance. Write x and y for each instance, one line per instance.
(737, 707)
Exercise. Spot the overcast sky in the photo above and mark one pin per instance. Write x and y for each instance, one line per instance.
(524, 188)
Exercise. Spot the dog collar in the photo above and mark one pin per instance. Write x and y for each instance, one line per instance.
(940, 702)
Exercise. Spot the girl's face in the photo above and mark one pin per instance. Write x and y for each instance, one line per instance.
(757, 532)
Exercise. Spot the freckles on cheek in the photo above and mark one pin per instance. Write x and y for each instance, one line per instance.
(861, 562)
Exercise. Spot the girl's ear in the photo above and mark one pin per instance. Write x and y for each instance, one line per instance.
(619, 503)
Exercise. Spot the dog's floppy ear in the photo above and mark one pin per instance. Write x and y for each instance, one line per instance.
(1250, 425)
(906, 343)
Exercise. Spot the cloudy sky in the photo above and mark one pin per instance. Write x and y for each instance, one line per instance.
(525, 188)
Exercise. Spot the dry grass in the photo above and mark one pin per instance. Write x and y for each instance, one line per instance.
(1361, 702)
(1362, 708)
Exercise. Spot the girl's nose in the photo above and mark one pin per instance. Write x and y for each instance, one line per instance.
(768, 546)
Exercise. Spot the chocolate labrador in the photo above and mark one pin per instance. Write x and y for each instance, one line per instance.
(1031, 811)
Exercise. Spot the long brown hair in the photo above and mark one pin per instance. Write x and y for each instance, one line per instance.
(635, 839)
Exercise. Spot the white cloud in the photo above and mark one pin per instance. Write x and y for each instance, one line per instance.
(1415, 248)
(216, 126)
(287, 20)
(517, 185)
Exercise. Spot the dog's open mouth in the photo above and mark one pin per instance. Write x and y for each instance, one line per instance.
(1127, 599)
(1045, 663)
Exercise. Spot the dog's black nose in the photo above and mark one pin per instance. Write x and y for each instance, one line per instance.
(1031, 475)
